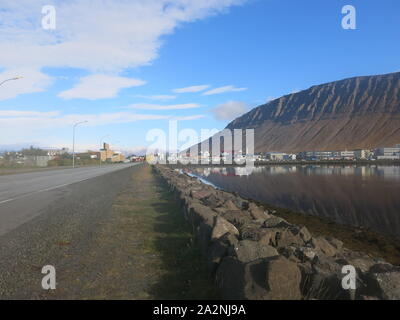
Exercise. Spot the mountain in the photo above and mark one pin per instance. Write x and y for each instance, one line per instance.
(360, 112)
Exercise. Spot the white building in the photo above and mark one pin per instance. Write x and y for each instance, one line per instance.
(275, 156)
(290, 157)
(388, 153)
(347, 155)
(362, 154)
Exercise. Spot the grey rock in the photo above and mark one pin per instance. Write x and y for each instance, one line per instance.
(237, 217)
(383, 281)
(257, 213)
(275, 222)
(286, 238)
(200, 213)
(283, 278)
(221, 227)
(247, 250)
(265, 279)
(201, 194)
(323, 245)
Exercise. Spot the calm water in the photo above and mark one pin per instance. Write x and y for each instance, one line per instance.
(354, 195)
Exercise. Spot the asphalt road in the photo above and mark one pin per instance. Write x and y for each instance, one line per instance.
(55, 218)
(25, 196)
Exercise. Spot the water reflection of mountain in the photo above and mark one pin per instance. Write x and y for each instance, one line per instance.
(355, 195)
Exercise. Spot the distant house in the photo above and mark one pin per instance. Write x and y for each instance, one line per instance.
(392, 153)
(346, 155)
(316, 155)
(275, 156)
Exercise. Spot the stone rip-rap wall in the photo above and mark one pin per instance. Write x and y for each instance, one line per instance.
(253, 254)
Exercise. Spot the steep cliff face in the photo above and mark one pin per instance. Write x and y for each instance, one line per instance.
(361, 112)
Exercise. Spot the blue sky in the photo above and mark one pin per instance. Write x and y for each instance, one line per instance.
(119, 64)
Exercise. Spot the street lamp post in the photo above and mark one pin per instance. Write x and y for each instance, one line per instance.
(11, 79)
(73, 142)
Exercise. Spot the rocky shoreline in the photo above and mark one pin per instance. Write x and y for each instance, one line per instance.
(253, 254)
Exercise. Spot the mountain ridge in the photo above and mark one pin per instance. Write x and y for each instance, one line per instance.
(357, 112)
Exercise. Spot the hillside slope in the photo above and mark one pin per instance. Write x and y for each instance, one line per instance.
(361, 112)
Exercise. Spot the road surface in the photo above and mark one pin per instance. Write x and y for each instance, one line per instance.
(109, 233)
(25, 196)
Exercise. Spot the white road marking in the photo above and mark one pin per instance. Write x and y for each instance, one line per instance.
(56, 187)
(4, 201)
(44, 190)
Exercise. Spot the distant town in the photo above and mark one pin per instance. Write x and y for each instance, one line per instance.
(52, 157)
(381, 153)
(49, 157)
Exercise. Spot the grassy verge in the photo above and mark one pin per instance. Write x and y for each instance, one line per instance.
(185, 273)
(157, 243)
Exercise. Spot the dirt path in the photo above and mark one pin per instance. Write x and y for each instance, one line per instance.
(139, 248)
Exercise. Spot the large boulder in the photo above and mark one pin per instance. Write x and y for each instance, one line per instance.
(241, 203)
(221, 248)
(305, 234)
(258, 213)
(237, 217)
(201, 194)
(203, 237)
(230, 279)
(383, 281)
(222, 227)
(273, 278)
(286, 237)
(230, 205)
(335, 242)
(276, 222)
(213, 201)
(324, 280)
(200, 213)
(253, 231)
(247, 250)
(324, 246)
(283, 278)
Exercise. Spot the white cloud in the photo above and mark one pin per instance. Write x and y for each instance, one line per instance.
(146, 106)
(156, 97)
(189, 118)
(99, 86)
(17, 113)
(37, 119)
(192, 89)
(33, 81)
(107, 36)
(223, 90)
(22, 124)
(229, 110)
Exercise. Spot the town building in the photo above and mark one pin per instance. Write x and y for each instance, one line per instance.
(290, 157)
(362, 154)
(108, 155)
(392, 153)
(55, 152)
(275, 156)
